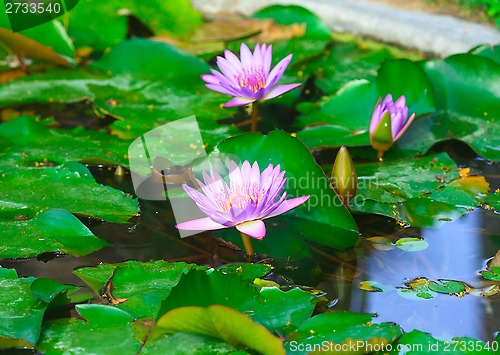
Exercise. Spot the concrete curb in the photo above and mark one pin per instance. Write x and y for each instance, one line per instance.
(439, 35)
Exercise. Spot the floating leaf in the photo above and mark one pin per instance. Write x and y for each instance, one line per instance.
(493, 200)
(141, 95)
(22, 307)
(417, 289)
(492, 274)
(106, 330)
(323, 215)
(34, 143)
(54, 230)
(141, 287)
(39, 189)
(374, 286)
(270, 307)
(420, 343)
(224, 323)
(182, 343)
(412, 244)
(420, 191)
(342, 332)
(447, 287)
(247, 271)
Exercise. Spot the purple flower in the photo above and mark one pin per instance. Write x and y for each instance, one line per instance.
(389, 122)
(250, 197)
(249, 79)
(398, 112)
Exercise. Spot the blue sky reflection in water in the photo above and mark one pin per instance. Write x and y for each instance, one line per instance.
(457, 251)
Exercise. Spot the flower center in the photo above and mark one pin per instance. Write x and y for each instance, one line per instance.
(253, 80)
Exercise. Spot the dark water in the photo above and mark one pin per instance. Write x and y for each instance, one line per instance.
(458, 251)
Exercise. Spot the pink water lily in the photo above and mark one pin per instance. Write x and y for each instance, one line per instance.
(398, 112)
(250, 197)
(249, 78)
(388, 123)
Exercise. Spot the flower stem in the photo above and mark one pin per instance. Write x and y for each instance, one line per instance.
(255, 116)
(380, 155)
(248, 244)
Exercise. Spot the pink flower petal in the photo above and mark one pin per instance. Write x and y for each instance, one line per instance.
(406, 126)
(239, 101)
(210, 79)
(267, 58)
(278, 71)
(229, 72)
(200, 224)
(280, 90)
(233, 60)
(246, 56)
(401, 102)
(255, 229)
(288, 205)
(218, 88)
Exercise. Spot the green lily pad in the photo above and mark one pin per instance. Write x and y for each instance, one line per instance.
(224, 323)
(54, 230)
(137, 288)
(492, 274)
(182, 343)
(248, 272)
(424, 191)
(323, 215)
(412, 244)
(101, 24)
(416, 289)
(447, 287)
(342, 332)
(39, 189)
(374, 286)
(106, 330)
(141, 95)
(270, 307)
(22, 307)
(493, 200)
(420, 343)
(33, 142)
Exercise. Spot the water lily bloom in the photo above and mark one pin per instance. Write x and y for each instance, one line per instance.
(250, 197)
(389, 122)
(249, 79)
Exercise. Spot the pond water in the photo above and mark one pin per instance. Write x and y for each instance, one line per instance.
(456, 251)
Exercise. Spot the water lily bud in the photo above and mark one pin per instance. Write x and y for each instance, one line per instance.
(344, 178)
(388, 123)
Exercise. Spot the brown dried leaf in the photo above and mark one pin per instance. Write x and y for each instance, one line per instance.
(272, 32)
(226, 30)
(192, 48)
(27, 47)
